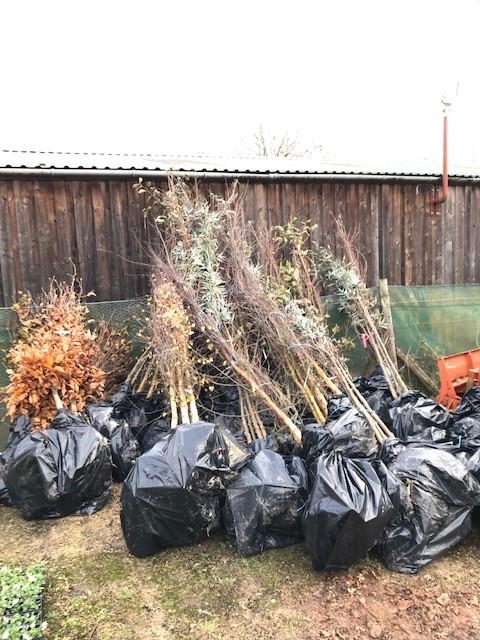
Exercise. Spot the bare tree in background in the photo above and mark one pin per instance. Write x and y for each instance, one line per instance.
(286, 145)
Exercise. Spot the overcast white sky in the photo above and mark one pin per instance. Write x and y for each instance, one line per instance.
(363, 78)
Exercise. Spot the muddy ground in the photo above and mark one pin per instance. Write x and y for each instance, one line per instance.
(97, 591)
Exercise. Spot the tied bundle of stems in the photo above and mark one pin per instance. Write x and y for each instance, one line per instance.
(293, 286)
(309, 318)
(345, 278)
(172, 363)
(54, 362)
(250, 378)
(271, 324)
(190, 256)
(269, 333)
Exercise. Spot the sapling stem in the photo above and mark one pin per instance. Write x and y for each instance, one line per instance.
(193, 409)
(134, 373)
(331, 386)
(258, 427)
(56, 399)
(173, 408)
(146, 375)
(245, 417)
(154, 382)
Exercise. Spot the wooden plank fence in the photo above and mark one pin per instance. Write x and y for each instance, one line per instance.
(49, 227)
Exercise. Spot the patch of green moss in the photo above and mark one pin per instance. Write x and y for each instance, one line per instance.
(85, 594)
(200, 592)
(208, 585)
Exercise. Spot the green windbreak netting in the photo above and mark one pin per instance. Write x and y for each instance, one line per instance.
(436, 321)
(7, 331)
(429, 322)
(358, 360)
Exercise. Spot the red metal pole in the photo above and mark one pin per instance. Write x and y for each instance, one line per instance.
(442, 199)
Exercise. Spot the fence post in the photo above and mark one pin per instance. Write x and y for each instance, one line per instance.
(387, 314)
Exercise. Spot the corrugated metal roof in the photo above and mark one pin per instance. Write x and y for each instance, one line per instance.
(202, 163)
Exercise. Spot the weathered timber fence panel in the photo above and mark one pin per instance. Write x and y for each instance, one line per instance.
(53, 227)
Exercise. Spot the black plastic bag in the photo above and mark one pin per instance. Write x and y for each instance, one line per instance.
(470, 403)
(121, 395)
(435, 513)
(263, 505)
(125, 450)
(60, 471)
(467, 431)
(315, 441)
(282, 443)
(133, 423)
(228, 420)
(139, 411)
(260, 444)
(397, 491)
(377, 393)
(352, 435)
(134, 415)
(337, 405)
(373, 383)
(222, 406)
(389, 450)
(349, 435)
(20, 428)
(153, 433)
(172, 495)
(413, 412)
(435, 436)
(380, 402)
(101, 418)
(347, 510)
(471, 461)
(124, 446)
(4, 495)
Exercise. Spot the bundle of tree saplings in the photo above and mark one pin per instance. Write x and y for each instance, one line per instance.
(168, 364)
(191, 257)
(54, 361)
(273, 340)
(299, 299)
(344, 277)
(290, 357)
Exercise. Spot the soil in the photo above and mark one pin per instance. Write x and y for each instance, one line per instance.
(97, 591)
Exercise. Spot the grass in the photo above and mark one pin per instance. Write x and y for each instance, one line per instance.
(95, 590)
(199, 589)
